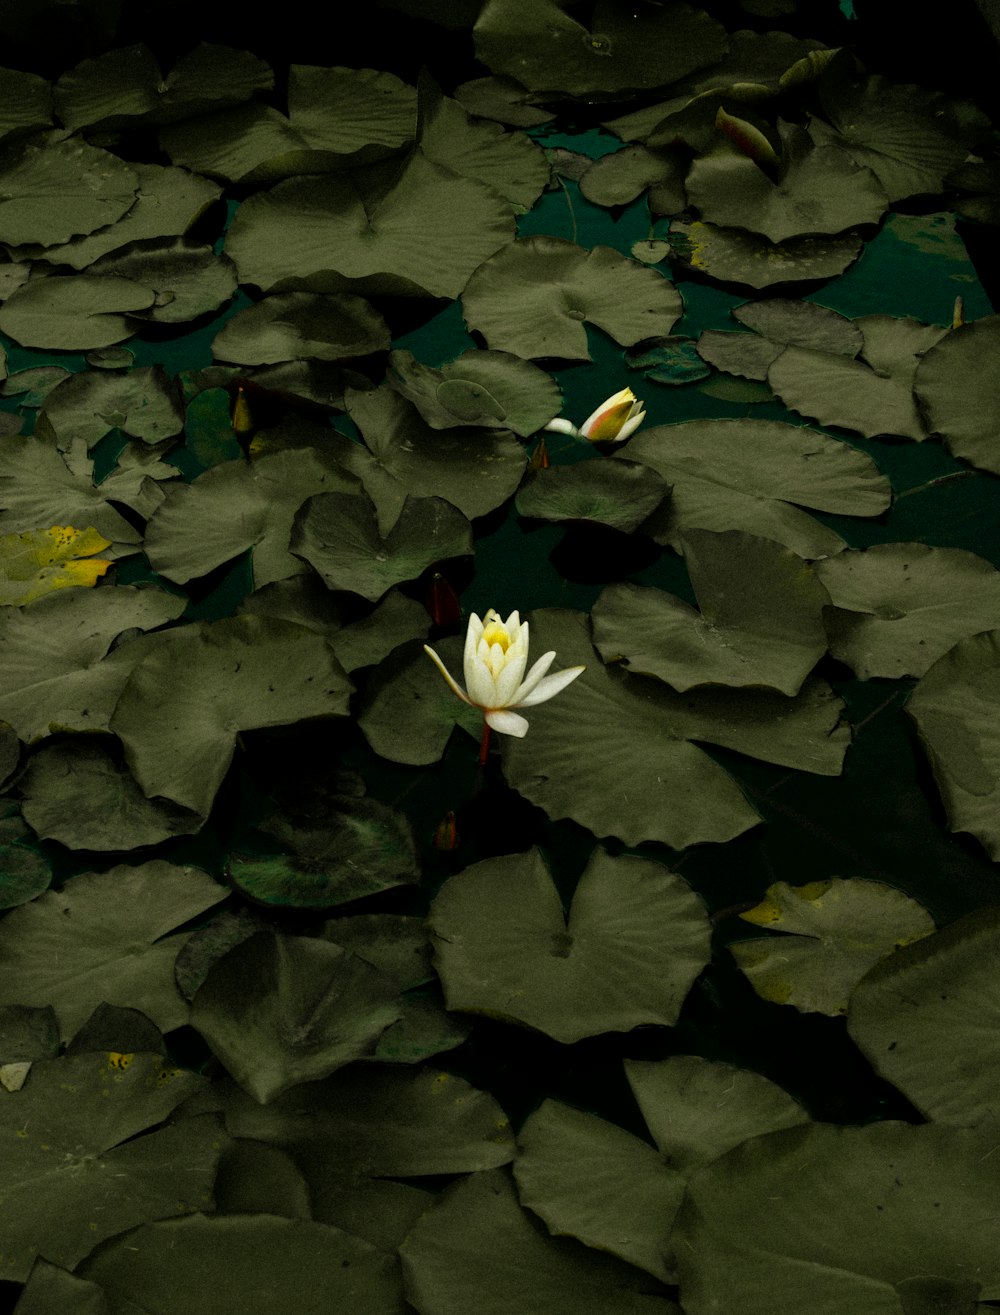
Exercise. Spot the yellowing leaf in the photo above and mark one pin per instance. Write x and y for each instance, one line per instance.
(37, 562)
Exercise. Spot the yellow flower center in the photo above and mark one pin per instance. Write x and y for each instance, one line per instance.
(494, 633)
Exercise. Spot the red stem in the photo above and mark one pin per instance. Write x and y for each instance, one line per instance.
(484, 744)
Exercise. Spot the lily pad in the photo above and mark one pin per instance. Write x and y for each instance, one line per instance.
(196, 687)
(635, 939)
(27, 102)
(338, 535)
(74, 1125)
(105, 937)
(898, 607)
(755, 476)
(189, 280)
(956, 707)
(533, 297)
(953, 386)
(477, 1248)
(818, 190)
(282, 1010)
(732, 255)
(77, 792)
(73, 314)
(57, 187)
(538, 43)
(302, 324)
(620, 177)
(40, 561)
(621, 494)
(396, 945)
(123, 87)
(494, 389)
(86, 406)
(836, 931)
(337, 117)
(760, 619)
(925, 1019)
(671, 360)
(369, 234)
(24, 874)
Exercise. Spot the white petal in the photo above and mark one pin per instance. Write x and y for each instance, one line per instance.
(507, 723)
(457, 689)
(509, 680)
(561, 426)
(549, 687)
(472, 638)
(533, 677)
(480, 683)
(630, 426)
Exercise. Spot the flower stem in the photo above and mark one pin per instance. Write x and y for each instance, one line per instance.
(484, 744)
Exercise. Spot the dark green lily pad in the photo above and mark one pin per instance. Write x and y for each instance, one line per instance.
(58, 187)
(396, 945)
(196, 687)
(51, 1288)
(760, 620)
(835, 931)
(338, 535)
(734, 256)
(620, 177)
(255, 1179)
(493, 389)
(282, 1010)
(105, 937)
(24, 873)
(671, 360)
(635, 939)
(188, 280)
(295, 324)
(73, 314)
(616, 493)
(956, 707)
(954, 386)
(533, 297)
(503, 99)
(26, 99)
(369, 234)
(86, 406)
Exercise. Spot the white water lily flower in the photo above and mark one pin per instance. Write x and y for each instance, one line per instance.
(613, 421)
(496, 654)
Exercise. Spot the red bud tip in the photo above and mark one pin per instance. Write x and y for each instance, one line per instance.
(442, 602)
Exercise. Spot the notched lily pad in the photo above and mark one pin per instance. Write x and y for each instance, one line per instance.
(621, 494)
(84, 407)
(732, 255)
(494, 389)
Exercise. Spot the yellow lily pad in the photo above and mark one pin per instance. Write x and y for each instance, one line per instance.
(37, 562)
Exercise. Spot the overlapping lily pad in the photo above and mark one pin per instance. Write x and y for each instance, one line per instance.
(953, 384)
(778, 323)
(73, 314)
(621, 494)
(58, 187)
(142, 402)
(188, 280)
(533, 297)
(37, 562)
(302, 324)
(495, 389)
(734, 256)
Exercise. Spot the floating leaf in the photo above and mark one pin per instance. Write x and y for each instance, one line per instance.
(337, 117)
(340, 234)
(105, 937)
(296, 324)
(873, 395)
(671, 360)
(915, 1197)
(213, 1265)
(493, 389)
(282, 1010)
(76, 792)
(925, 1019)
(953, 384)
(397, 946)
(121, 88)
(196, 687)
(188, 280)
(502, 99)
(538, 43)
(55, 664)
(620, 494)
(86, 406)
(819, 190)
(635, 940)
(533, 297)
(75, 1123)
(235, 506)
(51, 1288)
(40, 561)
(57, 187)
(836, 931)
(956, 707)
(258, 1179)
(619, 178)
(338, 535)
(901, 606)
(759, 624)
(744, 474)
(734, 256)
(73, 313)
(478, 1249)
(24, 874)
(697, 1109)
(26, 100)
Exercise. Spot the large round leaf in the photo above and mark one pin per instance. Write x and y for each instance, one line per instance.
(759, 624)
(189, 280)
(901, 606)
(105, 937)
(635, 940)
(198, 686)
(73, 314)
(56, 187)
(533, 297)
(301, 324)
(338, 535)
(493, 389)
(282, 1010)
(337, 234)
(928, 1018)
(621, 494)
(733, 255)
(872, 1219)
(834, 932)
(956, 707)
(955, 387)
